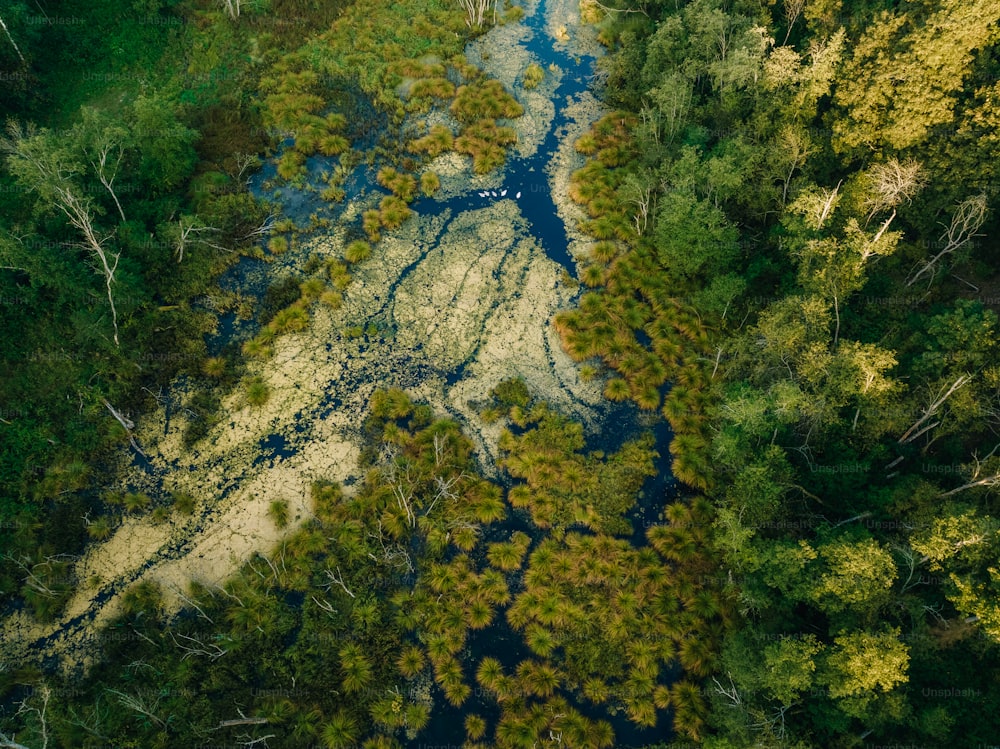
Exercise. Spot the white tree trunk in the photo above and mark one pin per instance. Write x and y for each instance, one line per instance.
(13, 43)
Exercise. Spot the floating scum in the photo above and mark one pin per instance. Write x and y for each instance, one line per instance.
(460, 300)
(468, 297)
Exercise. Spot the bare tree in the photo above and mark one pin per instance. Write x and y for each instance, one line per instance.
(394, 554)
(263, 229)
(639, 191)
(33, 580)
(45, 173)
(25, 708)
(141, 705)
(8, 743)
(97, 713)
(402, 487)
(127, 425)
(190, 231)
(193, 646)
(793, 8)
(444, 489)
(965, 222)
(918, 427)
(475, 11)
(337, 579)
(731, 693)
(106, 171)
(978, 478)
(892, 183)
(232, 8)
(13, 43)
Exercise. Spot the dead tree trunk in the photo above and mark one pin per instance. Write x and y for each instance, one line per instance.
(12, 42)
(101, 166)
(48, 176)
(969, 216)
(917, 429)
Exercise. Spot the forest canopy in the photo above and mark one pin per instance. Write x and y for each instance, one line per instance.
(792, 260)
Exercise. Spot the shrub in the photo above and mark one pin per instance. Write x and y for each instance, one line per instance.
(277, 245)
(436, 142)
(257, 391)
(393, 212)
(533, 75)
(357, 251)
(278, 512)
(430, 183)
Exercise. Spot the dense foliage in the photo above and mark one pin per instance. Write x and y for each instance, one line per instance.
(802, 190)
(791, 207)
(339, 635)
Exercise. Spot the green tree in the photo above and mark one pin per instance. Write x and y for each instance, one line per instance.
(165, 143)
(866, 663)
(906, 72)
(856, 577)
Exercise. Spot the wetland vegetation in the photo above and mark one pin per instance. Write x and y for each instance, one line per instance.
(313, 435)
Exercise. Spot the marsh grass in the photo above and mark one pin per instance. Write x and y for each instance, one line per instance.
(332, 299)
(279, 512)
(533, 75)
(136, 501)
(437, 88)
(214, 366)
(99, 529)
(256, 391)
(277, 245)
(486, 99)
(338, 273)
(357, 251)
(401, 185)
(484, 141)
(436, 142)
(371, 222)
(184, 503)
(430, 183)
(393, 211)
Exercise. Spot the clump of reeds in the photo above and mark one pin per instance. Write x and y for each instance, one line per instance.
(484, 141)
(401, 184)
(484, 100)
(436, 142)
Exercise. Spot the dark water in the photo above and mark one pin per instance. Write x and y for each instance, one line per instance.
(619, 422)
